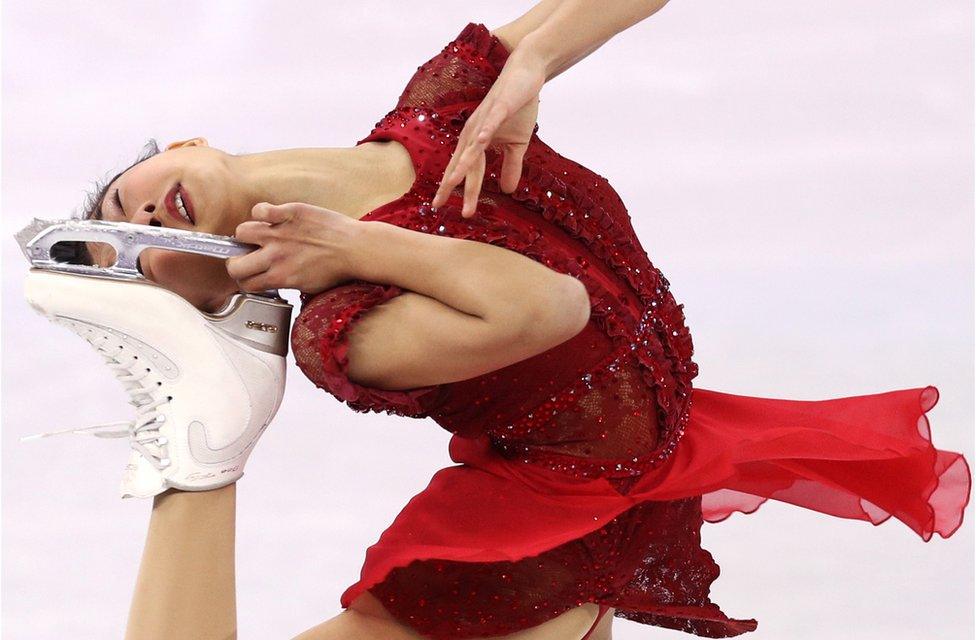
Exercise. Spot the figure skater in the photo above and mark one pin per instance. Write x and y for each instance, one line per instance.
(521, 314)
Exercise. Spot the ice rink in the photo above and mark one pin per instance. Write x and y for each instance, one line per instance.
(801, 172)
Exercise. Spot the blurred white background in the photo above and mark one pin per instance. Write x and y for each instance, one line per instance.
(802, 173)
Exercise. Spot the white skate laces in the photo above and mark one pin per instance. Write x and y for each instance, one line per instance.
(204, 386)
(143, 432)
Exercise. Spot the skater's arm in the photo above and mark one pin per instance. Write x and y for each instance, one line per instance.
(471, 308)
(506, 116)
(577, 28)
(497, 285)
(511, 34)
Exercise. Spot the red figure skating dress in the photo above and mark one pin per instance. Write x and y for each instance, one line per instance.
(586, 472)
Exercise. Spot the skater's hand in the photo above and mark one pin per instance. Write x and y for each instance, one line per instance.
(303, 247)
(506, 117)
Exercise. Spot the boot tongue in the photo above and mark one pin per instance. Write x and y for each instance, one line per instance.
(140, 479)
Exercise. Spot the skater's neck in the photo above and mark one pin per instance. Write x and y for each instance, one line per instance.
(340, 179)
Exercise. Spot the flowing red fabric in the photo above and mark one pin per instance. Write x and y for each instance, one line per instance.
(862, 457)
(584, 473)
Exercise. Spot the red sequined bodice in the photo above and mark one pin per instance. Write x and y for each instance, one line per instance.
(610, 402)
(571, 488)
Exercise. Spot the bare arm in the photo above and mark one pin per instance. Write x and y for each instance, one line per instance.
(471, 308)
(512, 33)
(547, 40)
(577, 28)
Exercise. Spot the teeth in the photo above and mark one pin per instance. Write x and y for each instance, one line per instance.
(181, 208)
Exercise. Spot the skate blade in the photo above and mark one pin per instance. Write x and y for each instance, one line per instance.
(38, 239)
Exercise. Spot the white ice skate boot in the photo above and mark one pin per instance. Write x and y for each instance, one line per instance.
(205, 386)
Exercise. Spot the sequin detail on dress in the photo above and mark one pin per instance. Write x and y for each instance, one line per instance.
(569, 218)
(587, 471)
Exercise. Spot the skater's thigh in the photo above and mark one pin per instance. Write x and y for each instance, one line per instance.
(367, 619)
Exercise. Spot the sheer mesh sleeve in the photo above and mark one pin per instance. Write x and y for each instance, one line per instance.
(319, 340)
(463, 71)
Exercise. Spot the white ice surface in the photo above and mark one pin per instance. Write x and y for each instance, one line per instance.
(801, 172)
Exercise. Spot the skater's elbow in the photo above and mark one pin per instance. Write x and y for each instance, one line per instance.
(557, 314)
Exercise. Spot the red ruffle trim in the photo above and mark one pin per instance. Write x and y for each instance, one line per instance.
(485, 44)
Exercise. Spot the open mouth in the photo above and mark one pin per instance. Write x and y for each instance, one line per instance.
(178, 205)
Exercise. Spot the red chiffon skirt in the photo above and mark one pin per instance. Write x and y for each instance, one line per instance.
(866, 457)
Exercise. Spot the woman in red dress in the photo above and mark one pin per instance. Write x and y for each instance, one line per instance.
(586, 471)
(585, 468)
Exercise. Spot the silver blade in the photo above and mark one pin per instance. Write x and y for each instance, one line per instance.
(129, 240)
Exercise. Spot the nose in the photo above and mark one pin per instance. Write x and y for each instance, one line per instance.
(145, 215)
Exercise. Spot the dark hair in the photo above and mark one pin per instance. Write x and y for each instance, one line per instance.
(77, 252)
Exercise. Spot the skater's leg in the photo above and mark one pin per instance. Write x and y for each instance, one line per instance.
(185, 587)
(604, 628)
(367, 619)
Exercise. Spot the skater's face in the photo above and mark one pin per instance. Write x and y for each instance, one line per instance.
(189, 172)
(197, 176)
